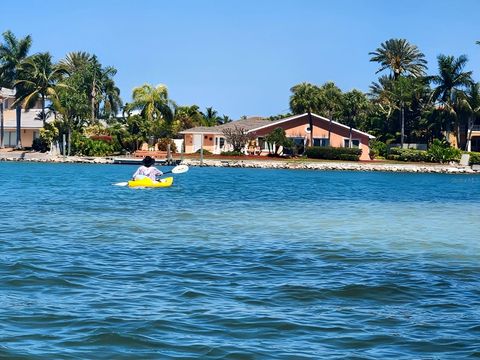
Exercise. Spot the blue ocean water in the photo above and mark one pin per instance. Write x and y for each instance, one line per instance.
(238, 264)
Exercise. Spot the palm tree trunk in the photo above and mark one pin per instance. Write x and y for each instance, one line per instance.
(69, 140)
(468, 143)
(2, 128)
(402, 132)
(310, 124)
(43, 109)
(18, 110)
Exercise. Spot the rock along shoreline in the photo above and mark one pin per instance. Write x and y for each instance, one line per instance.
(260, 164)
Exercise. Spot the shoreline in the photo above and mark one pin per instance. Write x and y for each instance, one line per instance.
(26, 156)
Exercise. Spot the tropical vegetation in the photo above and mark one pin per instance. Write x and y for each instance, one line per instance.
(405, 104)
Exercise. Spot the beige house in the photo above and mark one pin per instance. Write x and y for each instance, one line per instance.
(296, 127)
(30, 122)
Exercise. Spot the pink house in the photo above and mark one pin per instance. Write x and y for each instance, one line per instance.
(296, 127)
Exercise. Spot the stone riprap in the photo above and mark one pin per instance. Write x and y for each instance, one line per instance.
(452, 168)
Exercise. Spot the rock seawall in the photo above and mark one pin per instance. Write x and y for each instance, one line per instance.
(338, 166)
(260, 164)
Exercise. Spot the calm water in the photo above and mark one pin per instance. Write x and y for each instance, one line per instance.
(238, 264)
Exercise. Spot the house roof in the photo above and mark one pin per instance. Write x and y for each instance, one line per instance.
(248, 124)
(256, 123)
(6, 93)
(29, 119)
(276, 122)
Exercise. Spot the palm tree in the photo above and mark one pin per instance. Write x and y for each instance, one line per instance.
(153, 104)
(397, 95)
(305, 98)
(400, 57)
(451, 78)
(210, 117)
(225, 119)
(355, 105)
(330, 103)
(12, 52)
(39, 78)
(187, 117)
(469, 103)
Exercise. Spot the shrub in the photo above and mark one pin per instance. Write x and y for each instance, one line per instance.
(440, 151)
(205, 152)
(333, 153)
(39, 144)
(82, 145)
(232, 153)
(474, 158)
(163, 144)
(378, 148)
(411, 155)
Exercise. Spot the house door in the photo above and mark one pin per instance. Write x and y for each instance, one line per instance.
(197, 142)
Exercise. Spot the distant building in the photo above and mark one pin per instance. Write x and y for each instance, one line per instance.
(296, 128)
(31, 123)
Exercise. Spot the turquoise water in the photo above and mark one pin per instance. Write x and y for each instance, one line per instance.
(238, 264)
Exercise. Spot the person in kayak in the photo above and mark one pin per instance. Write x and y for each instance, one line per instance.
(147, 170)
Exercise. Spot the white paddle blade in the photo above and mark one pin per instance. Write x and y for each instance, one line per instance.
(180, 169)
(125, 183)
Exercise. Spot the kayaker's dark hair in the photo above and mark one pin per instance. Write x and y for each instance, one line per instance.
(148, 161)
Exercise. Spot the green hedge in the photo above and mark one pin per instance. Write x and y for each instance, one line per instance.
(232, 153)
(411, 155)
(474, 158)
(333, 153)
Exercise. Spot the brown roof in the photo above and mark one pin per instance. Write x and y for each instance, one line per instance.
(247, 124)
(256, 123)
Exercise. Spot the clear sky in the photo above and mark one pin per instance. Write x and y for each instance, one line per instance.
(243, 56)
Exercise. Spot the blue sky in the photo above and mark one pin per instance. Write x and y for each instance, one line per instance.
(242, 56)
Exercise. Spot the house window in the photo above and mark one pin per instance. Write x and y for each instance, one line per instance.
(355, 143)
(222, 142)
(320, 141)
(263, 144)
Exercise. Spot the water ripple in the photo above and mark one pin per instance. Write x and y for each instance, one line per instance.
(238, 264)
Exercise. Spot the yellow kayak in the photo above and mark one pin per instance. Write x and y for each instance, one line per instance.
(147, 182)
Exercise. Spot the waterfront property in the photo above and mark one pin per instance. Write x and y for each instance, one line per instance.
(30, 122)
(296, 127)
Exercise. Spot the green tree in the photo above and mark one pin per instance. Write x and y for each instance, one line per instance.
(276, 140)
(39, 78)
(13, 52)
(330, 103)
(451, 79)
(155, 106)
(186, 117)
(400, 57)
(210, 117)
(305, 98)
(468, 105)
(355, 106)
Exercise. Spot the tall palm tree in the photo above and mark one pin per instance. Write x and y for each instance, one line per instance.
(305, 98)
(400, 57)
(153, 104)
(451, 78)
(39, 78)
(12, 53)
(397, 96)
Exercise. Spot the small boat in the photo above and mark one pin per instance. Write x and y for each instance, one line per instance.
(147, 182)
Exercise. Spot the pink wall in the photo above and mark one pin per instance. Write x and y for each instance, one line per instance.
(297, 128)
